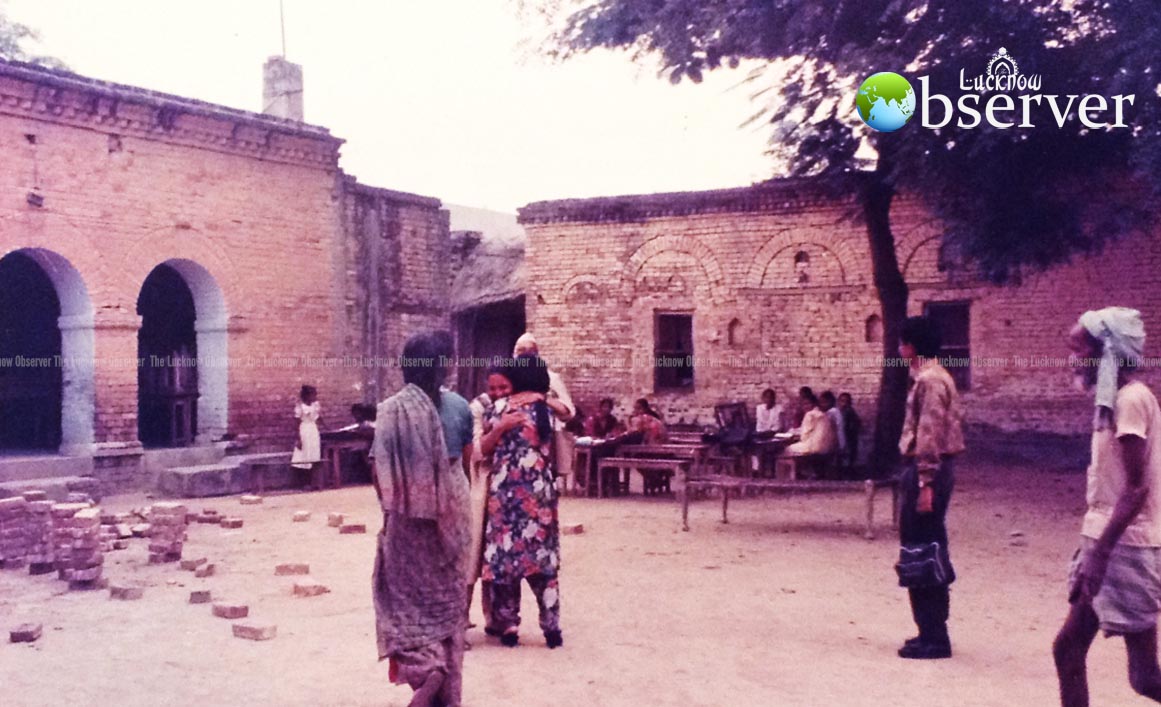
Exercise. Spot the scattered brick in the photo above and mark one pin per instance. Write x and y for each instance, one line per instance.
(290, 568)
(36, 495)
(206, 570)
(250, 500)
(26, 633)
(167, 532)
(141, 530)
(352, 528)
(301, 516)
(576, 529)
(309, 588)
(191, 565)
(231, 611)
(335, 520)
(125, 593)
(255, 632)
(200, 596)
(83, 585)
(231, 523)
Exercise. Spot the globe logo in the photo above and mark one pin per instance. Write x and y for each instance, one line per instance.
(885, 101)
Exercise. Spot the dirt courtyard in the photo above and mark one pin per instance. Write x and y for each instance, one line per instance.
(786, 605)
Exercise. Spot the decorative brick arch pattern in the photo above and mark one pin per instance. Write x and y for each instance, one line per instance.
(153, 249)
(711, 272)
(922, 262)
(583, 288)
(831, 269)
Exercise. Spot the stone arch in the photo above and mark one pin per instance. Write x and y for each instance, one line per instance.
(840, 249)
(78, 348)
(211, 323)
(711, 270)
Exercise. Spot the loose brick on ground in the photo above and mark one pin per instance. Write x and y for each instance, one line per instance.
(255, 632)
(224, 610)
(206, 570)
(126, 593)
(290, 568)
(191, 565)
(301, 516)
(200, 596)
(26, 633)
(250, 500)
(352, 528)
(309, 588)
(231, 523)
(335, 520)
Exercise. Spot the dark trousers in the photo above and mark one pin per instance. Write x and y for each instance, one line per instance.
(506, 602)
(930, 606)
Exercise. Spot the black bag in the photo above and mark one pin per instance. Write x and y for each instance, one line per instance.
(923, 565)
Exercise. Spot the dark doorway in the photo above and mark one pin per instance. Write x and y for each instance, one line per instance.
(482, 334)
(30, 350)
(167, 381)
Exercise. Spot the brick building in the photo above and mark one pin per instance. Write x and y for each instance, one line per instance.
(771, 286)
(191, 266)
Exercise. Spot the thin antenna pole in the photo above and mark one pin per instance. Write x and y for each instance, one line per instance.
(282, 22)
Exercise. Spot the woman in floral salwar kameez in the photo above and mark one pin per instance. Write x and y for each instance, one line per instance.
(522, 533)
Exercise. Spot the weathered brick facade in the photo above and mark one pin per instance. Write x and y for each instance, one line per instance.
(290, 261)
(601, 269)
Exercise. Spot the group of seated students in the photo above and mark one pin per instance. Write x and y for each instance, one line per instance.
(645, 425)
(826, 425)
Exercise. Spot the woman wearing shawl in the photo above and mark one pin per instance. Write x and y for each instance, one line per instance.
(419, 583)
(522, 534)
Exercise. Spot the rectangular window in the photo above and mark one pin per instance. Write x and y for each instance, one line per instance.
(954, 321)
(672, 351)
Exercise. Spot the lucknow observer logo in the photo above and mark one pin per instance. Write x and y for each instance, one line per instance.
(885, 101)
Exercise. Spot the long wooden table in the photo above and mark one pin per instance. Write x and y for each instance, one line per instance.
(693, 454)
(745, 486)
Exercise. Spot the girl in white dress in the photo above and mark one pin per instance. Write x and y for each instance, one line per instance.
(308, 449)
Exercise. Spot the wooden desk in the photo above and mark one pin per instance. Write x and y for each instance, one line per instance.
(333, 446)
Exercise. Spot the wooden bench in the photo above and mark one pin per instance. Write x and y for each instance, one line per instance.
(739, 485)
(667, 468)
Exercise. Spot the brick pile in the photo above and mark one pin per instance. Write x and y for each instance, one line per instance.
(41, 558)
(167, 532)
(77, 542)
(14, 539)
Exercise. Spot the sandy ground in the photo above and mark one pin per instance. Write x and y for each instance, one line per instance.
(786, 605)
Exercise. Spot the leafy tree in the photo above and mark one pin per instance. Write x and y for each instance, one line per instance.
(13, 39)
(1010, 199)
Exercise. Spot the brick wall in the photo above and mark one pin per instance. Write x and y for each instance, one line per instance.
(778, 279)
(305, 259)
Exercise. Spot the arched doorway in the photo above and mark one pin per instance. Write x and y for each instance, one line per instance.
(46, 355)
(182, 384)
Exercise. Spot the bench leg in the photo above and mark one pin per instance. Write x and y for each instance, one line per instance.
(869, 487)
(600, 482)
(684, 508)
(725, 504)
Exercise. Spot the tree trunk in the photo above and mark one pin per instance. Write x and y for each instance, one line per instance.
(892, 289)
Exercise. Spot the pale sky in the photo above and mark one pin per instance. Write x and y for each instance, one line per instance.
(445, 98)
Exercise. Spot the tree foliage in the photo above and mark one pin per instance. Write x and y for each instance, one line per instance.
(14, 40)
(1009, 197)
